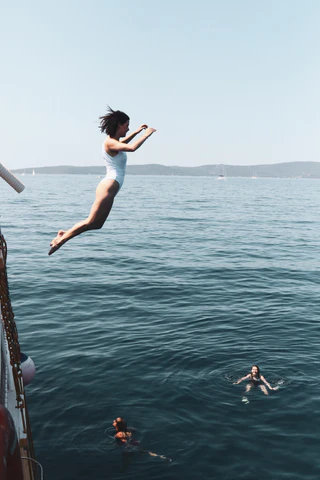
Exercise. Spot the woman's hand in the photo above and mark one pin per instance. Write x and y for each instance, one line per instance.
(142, 127)
(150, 131)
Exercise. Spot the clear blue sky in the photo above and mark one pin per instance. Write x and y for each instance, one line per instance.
(223, 81)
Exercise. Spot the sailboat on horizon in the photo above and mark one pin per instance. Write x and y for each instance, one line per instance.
(222, 175)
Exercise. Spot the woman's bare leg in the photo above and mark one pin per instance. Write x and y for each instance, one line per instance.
(264, 389)
(248, 387)
(105, 193)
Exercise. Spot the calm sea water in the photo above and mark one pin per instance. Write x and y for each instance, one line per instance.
(189, 283)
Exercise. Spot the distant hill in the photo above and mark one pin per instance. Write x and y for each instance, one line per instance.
(278, 170)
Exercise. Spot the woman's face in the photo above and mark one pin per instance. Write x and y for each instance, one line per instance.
(254, 371)
(115, 422)
(123, 129)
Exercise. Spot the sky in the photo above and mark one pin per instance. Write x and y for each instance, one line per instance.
(223, 81)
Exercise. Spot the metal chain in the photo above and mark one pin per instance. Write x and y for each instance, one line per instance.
(10, 325)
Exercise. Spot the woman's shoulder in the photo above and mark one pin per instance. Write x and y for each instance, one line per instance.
(109, 141)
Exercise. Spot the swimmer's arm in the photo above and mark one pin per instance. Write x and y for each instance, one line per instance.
(133, 134)
(265, 381)
(116, 146)
(121, 436)
(241, 379)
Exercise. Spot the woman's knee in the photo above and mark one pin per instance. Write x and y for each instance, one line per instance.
(97, 224)
(94, 223)
(263, 388)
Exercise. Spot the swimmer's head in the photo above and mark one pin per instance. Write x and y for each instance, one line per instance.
(114, 122)
(255, 371)
(120, 424)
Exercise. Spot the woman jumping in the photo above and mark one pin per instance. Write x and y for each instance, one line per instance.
(256, 380)
(115, 124)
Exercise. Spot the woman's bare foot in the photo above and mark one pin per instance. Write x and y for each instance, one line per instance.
(57, 242)
(57, 238)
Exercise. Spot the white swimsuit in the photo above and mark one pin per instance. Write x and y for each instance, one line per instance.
(116, 166)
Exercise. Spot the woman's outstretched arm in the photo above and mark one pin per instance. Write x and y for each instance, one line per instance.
(133, 134)
(241, 379)
(267, 383)
(116, 146)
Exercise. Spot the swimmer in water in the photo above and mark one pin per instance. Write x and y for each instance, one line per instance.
(123, 432)
(256, 379)
(115, 125)
(123, 437)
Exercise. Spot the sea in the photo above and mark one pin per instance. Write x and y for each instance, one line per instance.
(191, 281)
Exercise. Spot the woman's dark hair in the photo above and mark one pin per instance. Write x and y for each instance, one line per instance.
(121, 425)
(257, 369)
(110, 122)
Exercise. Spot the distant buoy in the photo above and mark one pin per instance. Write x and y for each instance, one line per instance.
(28, 368)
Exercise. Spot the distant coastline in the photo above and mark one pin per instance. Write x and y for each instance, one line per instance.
(277, 170)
